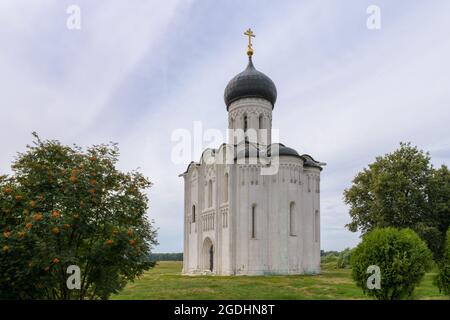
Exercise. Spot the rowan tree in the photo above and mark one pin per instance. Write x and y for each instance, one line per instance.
(65, 205)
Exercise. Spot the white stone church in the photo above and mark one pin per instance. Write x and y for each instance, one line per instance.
(242, 216)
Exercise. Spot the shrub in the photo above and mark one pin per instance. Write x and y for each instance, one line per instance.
(432, 237)
(343, 261)
(329, 257)
(166, 257)
(402, 256)
(443, 277)
(328, 253)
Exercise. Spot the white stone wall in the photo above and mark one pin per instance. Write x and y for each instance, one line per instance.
(276, 249)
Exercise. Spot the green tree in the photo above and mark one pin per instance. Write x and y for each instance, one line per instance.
(443, 277)
(402, 257)
(67, 206)
(166, 257)
(329, 257)
(439, 197)
(403, 190)
(344, 259)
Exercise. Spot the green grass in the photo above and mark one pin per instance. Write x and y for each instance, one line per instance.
(166, 282)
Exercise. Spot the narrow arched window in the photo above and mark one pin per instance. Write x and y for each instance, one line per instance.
(193, 214)
(292, 220)
(245, 123)
(260, 122)
(225, 188)
(210, 194)
(253, 222)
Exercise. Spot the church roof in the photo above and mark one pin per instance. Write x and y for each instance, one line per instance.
(310, 162)
(284, 151)
(250, 150)
(250, 83)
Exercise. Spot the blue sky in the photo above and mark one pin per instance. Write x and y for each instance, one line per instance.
(138, 70)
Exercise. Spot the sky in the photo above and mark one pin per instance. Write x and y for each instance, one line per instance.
(136, 71)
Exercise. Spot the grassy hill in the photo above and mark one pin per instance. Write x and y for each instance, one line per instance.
(166, 282)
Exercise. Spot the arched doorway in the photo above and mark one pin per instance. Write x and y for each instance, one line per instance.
(208, 255)
(211, 258)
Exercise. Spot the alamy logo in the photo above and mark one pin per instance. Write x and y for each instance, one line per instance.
(248, 146)
(374, 20)
(74, 280)
(74, 20)
(374, 280)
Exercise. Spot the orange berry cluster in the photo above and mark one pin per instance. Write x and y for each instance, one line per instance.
(56, 214)
(38, 217)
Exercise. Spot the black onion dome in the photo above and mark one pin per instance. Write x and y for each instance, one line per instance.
(286, 151)
(283, 151)
(250, 83)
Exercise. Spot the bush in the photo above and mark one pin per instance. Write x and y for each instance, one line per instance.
(329, 257)
(443, 277)
(432, 237)
(343, 260)
(65, 206)
(402, 256)
(328, 253)
(166, 257)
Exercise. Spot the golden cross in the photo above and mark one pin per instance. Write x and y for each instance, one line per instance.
(249, 33)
